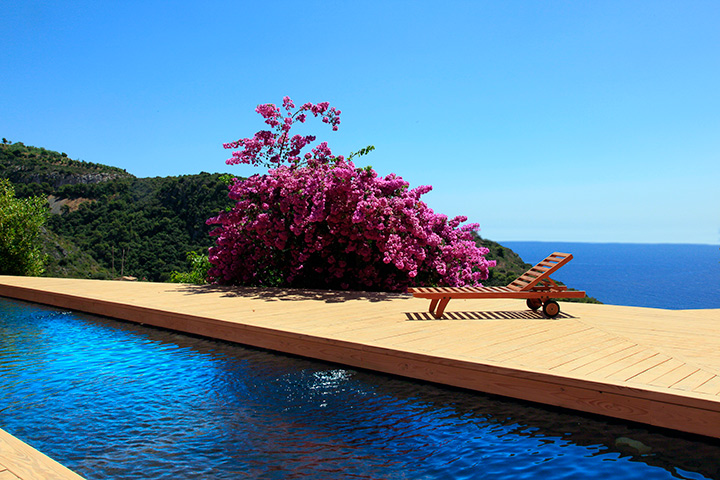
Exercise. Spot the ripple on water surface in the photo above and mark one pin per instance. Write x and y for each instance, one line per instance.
(114, 400)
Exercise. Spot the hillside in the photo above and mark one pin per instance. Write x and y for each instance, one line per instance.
(66, 260)
(108, 223)
(142, 227)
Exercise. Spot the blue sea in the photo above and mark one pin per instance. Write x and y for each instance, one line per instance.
(670, 276)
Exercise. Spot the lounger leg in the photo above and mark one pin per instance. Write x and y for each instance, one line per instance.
(441, 307)
(433, 304)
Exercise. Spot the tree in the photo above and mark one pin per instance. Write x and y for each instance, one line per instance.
(321, 222)
(21, 220)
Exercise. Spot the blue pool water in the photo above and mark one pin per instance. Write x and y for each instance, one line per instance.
(667, 276)
(114, 400)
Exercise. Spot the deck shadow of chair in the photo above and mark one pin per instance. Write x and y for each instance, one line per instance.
(535, 286)
(483, 316)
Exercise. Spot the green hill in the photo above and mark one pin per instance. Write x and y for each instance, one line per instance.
(41, 170)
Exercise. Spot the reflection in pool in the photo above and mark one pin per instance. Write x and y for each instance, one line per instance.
(114, 400)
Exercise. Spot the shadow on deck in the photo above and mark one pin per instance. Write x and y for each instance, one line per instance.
(485, 315)
(288, 294)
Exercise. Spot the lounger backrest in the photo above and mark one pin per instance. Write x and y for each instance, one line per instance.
(540, 272)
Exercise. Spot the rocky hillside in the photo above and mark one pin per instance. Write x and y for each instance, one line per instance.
(45, 170)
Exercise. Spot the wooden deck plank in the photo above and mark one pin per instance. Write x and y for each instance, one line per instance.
(664, 365)
(543, 350)
(625, 364)
(693, 381)
(18, 460)
(523, 339)
(711, 387)
(645, 365)
(677, 375)
(650, 360)
(7, 474)
(575, 347)
(592, 361)
(491, 340)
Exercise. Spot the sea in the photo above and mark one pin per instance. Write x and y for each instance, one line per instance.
(669, 276)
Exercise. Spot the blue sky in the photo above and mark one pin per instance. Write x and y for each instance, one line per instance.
(541, 120)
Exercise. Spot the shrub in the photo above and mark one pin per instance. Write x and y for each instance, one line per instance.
(321, 222)
(21, 220)
(199, 266)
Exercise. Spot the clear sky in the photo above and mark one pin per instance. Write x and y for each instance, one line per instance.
(593, 121)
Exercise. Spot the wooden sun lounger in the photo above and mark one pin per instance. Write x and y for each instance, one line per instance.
(535, 285)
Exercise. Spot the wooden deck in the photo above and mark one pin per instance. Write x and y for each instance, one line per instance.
(19, 461)
(658, 367)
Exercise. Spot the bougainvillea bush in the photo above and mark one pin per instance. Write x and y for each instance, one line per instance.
(318, 221)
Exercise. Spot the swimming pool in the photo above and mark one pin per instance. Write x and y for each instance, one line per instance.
(114, 400)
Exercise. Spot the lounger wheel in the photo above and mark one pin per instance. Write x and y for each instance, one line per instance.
(534, 303)
(551, 309)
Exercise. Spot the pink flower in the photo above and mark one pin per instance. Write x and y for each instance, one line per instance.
(272, 147)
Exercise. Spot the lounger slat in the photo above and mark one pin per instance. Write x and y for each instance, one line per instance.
(476, 289)
(421, 290)
(537, 271)
(528, 276)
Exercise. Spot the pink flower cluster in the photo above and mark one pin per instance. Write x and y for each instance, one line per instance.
(275, 147)
(328, 224)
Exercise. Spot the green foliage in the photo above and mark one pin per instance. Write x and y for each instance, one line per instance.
(226, 178)
(21, 220)
(64, 259)
(199, 266)
(361, 152)
(142, 226)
